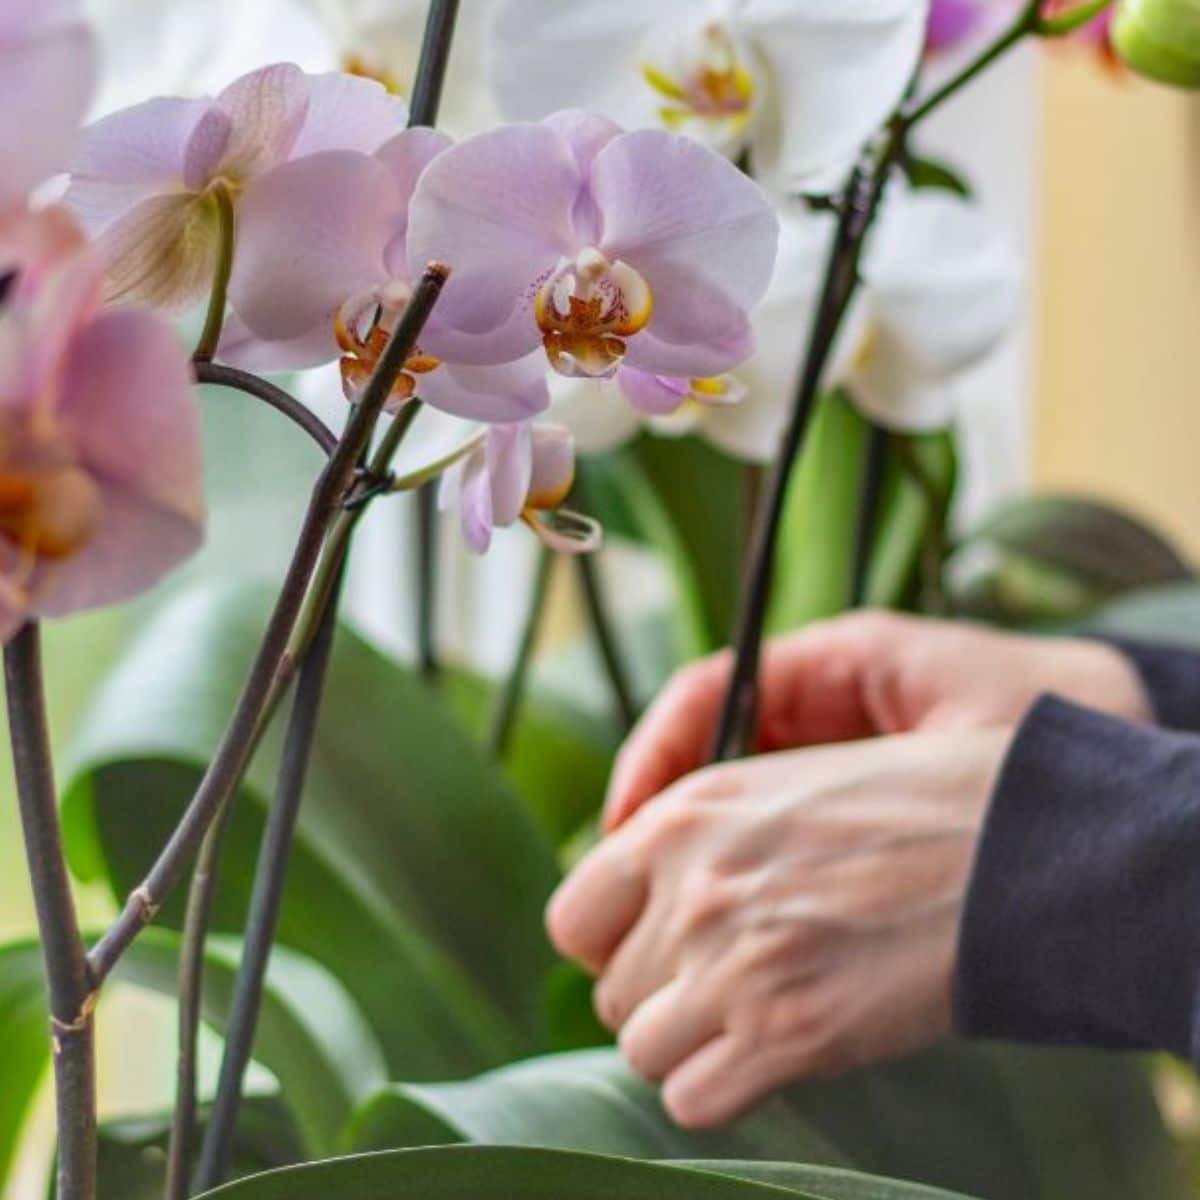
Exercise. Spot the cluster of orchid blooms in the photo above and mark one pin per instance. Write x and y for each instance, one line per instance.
(639, 247)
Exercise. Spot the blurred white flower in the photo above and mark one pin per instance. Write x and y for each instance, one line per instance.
(806, 82)
(940, 292)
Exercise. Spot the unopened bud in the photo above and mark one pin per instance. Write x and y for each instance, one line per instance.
(1160, 39)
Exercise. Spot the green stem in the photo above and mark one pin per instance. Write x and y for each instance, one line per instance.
(214, 322)
(508, 701)
(426, 474)
(604, 635)
(1069, 22)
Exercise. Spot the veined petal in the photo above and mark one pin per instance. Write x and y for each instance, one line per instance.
(347, 112)
(406, 156)
(944, 291)
(470, 487)
(241, 348)
(128, 395)
(653, 395)
(129, 157)
(682, 215)
(252, 126)
(595, 411)
(47, 74)
(706, 336)
(311, 233)
(497, 394)
(497, 208)
(838, 69)
(162, 253)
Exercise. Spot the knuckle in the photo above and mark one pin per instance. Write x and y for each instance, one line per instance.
(606, 1000)
(639, 1052)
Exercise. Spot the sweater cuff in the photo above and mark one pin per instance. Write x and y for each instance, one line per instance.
(1080, 924)
(1171, 677)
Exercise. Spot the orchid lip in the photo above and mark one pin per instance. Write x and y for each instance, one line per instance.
(587, 310)
(362, 328)
(714, 85)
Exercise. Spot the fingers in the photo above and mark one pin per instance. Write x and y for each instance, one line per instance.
(815, 686)
(597, 905)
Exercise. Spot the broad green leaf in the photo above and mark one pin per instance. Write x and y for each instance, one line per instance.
(1007, 1123)
(1166, 614)
(132, 1159)
(705, 492)
(499, 1173)
(311, 1035)
(618, 491)
(1057, 557)
(828, 1183)
(560, 754)
(24, 1042)
(582, 1101)
(418, 877)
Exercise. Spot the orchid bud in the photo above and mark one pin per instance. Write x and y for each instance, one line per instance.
(1160, 39)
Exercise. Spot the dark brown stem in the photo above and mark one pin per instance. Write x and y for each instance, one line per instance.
(71, 986)
(271, 666)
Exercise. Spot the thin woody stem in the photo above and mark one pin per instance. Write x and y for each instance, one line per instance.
(71, 986)
(604, 635)
(269, 877)
(214, 321)
(870, 496)
(271, 664)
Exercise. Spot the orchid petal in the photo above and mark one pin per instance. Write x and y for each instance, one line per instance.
(595, 411)
(731, 341)
(162, 253)
(311, 233)
(509, 451)
(130, 156)
(241, 348)
(553, 470)
(128, 394)
(682, 215)
(251, 127)
(346, 112)
(654, 395)
(47, 74)
(838, 69)
(406, 156)
(497, 394)
(470, 486)
(497, 208)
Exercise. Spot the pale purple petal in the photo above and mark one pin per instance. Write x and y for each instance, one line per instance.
(498, 395)
(47, 74)
(586, 133)
(241, 348)
(953, 21)
(682, 216)
(509, 451)
(474, 493)
(347, 112)
(497, 209)
(406, 156)
(128, 394)
(553, 466)
(311, 234)
(130, 156)
(251, 127)
(654, 395)
(730, 342)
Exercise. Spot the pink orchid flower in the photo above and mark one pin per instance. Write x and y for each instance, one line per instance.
(100, 486)
(519, 472)
(322, 270)
(953, 22)
(145, 180)
(642, 250)
(47, 73)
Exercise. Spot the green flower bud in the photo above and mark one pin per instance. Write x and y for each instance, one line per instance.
(1160, 39)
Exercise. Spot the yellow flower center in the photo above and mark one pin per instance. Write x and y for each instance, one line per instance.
(713, 85)
(587, 310)
(356, 64)
(362, 331)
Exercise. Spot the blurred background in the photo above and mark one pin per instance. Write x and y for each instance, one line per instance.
(1095, 178)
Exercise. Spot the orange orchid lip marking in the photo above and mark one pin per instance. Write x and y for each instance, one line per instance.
(587, 310)
(362, 334)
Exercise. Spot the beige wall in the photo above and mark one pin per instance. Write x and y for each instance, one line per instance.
(1118, 398)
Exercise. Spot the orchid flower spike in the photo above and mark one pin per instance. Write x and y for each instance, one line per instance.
(47, 74)
(322, 271)
(146, 181)
(519, 472)
(598, 249)
(940, 292)
(802, 83)
(100, 482)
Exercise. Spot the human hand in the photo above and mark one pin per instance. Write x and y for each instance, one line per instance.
(865, 674)
(789, 916)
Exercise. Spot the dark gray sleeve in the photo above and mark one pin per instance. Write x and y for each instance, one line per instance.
(1171, 678)
(1082, 920)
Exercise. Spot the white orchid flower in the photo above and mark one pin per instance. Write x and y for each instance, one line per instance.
(805, 83)
(940, 292)
(382, 40)
(197, 47)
